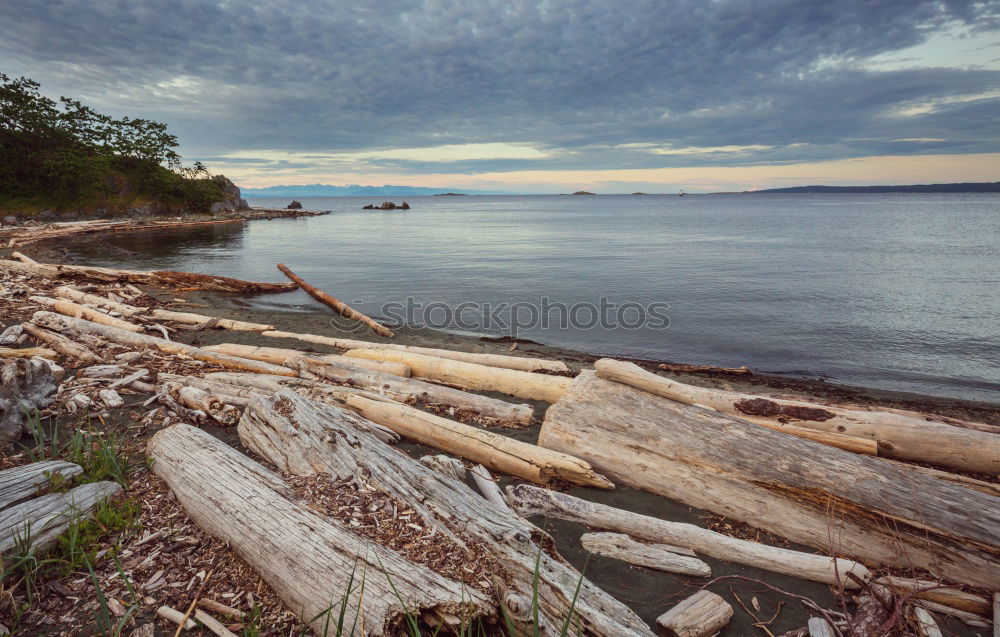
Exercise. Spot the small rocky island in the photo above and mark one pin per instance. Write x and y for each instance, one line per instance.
(583, 192)
(388, 205)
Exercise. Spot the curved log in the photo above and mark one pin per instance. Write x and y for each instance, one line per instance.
(336, 304)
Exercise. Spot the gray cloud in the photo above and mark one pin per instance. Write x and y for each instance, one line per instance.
(578, 79)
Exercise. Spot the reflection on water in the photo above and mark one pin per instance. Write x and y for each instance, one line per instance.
(894, 291)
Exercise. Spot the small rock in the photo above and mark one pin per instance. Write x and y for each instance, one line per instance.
(405, 206)
(57, 370)
(111, 398)
(11, 334)
(295, 205)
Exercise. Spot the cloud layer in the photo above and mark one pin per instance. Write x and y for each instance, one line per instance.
(315, 87)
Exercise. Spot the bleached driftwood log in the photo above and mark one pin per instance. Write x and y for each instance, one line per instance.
(212, 405)
(25, 482)
(498, 452)
(219, 322)
(286, 357)
(68, 324)
(897, 436)
(702, 614)
(413, 390)
(84, 298)
(656, 556)
(39, 522)
(933, 591)
(17, 267)
(307, 559)
(488, 486)
(76, 352)
(292, 432)
(336, 304)
(69, 308)
(531, 501)
(831, 499)
(473, 376)
(28, 352)
(492, 360)
(26, 386)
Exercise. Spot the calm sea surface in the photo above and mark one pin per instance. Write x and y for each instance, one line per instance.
(897, 291)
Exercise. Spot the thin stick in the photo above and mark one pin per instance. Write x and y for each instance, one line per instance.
(194, 600)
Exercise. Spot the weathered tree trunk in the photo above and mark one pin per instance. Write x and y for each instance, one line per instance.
(281, 356)
(72, 325)
(531, 501)
(189, 318)
(84, 298)
(293, 432)
(28, 352)
(25, 387)
(69, 308)
(488, 486)
(77, 353)
(413, 390)
(16, 267)
(702, 614)
(307, 559)
(27, 481)
(498, 452)
(213, 406)
(933, 591)
(656, 556)
(898, 436)
(39, 522)
(472, 376)
(824, 497)
(336, 304)
(492, 360)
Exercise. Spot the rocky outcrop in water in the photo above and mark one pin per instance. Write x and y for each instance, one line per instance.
(387, 205)
(232, 200)
(295, 205)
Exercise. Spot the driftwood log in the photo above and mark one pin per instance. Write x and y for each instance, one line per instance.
(336, 304)
(28, 352)
(492, 360)
(413, 390)
(831, 499)
(69, 308)
(76, 326)
(308, 559)
(27, 481)
(660, 557)
(936, 592)
(296, 434)
(26, 386)
(77, 353)
(84, 298)
(496, 451)
(286, 357)
(531, 501)
(702, 614)
(37, 523)
(898, 436)
(473, 376)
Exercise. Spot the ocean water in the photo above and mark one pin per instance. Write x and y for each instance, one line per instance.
(896, 291)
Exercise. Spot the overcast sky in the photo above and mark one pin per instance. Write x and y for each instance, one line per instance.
(538, 96)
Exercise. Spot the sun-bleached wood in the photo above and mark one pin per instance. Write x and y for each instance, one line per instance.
(294, 435)
(834, 500)
(530, 501)
(655, 556)
(27, 481)
(69, 348)
(954, 597)
(26, 269)
(68, 324)
(282, 356)
(306, 558)
(497, 452)
(446, 465)
(212, 405)
(28, 352)
(926, 626)
(702, 614)
(473, 376)
(177, 617)
(819, 627)
(69, 308)
(336, 304)
(40, 521)
(414, 390)
(898, 436)
(214, 625)
(488, 486)
(84, 298)
(189, 318)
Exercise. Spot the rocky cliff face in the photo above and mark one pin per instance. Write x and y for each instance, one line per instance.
(233, 201)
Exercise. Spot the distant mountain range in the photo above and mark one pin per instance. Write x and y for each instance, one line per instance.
(993, 186)
(354, 190)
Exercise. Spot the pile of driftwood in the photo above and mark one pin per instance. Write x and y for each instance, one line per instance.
(448, 544)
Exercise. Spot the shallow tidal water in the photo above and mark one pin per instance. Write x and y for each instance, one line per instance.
(891, 291)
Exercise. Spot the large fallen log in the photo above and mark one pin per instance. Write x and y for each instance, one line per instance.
(531, 501)
(69, 348)
(898, 436)
(85, 298)
(831, 499)
(281, 356)
(413, 390)
(336, 304)
(498, 452)
(27, 481)
(473, 376)
(306, 558)
(218, 322)
(492, 360)
(69, 308)
(293, 433)
(71, 325)
(36, 524)
(27, 269)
